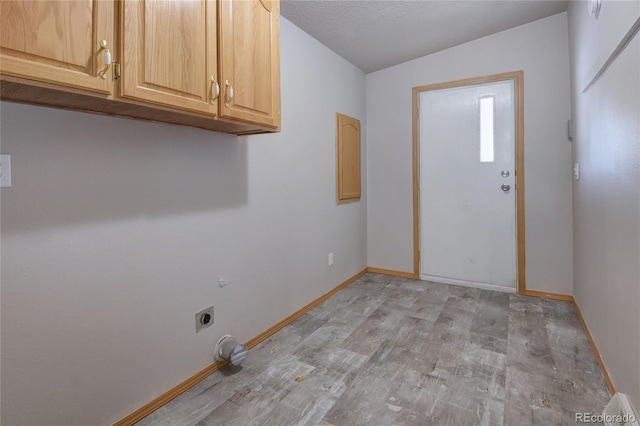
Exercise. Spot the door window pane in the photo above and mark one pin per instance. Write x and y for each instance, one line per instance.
(487, 119)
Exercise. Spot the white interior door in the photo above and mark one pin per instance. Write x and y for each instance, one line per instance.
(467, 185)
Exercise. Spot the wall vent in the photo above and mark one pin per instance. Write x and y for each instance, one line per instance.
(228, 349)
(618, 412)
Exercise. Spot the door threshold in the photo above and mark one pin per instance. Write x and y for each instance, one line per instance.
(472, 284)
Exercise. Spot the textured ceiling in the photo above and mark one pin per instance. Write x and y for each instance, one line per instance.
(375, 34)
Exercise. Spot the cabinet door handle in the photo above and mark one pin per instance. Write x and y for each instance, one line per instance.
(107, 59)
(215, 88)
(229, 93)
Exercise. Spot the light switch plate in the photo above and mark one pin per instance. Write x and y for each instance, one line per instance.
(576, 171)
(5, 171)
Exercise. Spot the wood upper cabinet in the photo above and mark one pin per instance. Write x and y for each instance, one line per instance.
(213, 64)
(57, 41)
(250, 61)
(170, 55)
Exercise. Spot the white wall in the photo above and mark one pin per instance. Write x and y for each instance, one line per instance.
(606, 203)
(540, 49)
(116, 232)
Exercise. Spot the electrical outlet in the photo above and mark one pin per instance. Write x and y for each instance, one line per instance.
(204, 319)
(331, 259)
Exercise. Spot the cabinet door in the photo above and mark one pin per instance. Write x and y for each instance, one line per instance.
(347, 158)
(57, 41)
(170, 55)
(250, 60)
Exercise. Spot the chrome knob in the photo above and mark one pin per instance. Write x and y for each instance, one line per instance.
(504, 173)
(505, 187)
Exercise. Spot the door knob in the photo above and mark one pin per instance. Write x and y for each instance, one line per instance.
(505, 187)
(504, 173)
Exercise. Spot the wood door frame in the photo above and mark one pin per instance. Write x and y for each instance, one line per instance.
(518, 80)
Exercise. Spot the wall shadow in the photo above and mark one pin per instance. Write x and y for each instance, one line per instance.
(72, 168)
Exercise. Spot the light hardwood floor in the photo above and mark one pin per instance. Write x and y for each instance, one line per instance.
(388, 350)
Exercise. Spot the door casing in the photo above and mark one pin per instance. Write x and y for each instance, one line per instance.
(518, 80)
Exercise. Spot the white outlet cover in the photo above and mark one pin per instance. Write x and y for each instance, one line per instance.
(331, 259)
(5, 171)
